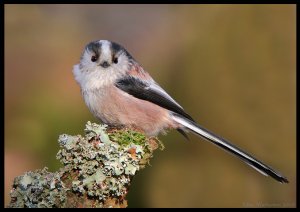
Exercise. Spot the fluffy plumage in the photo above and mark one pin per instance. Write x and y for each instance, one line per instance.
(118, 91)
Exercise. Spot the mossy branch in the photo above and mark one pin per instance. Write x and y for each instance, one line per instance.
(98, 170)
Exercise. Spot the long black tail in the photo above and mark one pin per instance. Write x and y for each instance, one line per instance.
(248, 159)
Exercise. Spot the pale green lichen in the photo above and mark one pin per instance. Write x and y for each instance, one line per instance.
(98, 168)
(93, 130)
(101, 159)
(38, 189)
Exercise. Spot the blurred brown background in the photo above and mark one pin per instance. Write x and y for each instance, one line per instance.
(232, 67)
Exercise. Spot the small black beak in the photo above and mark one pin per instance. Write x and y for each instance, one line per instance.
(104, 64)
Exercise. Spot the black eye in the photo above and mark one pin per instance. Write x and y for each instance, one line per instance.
(115, 60)
(94, 58)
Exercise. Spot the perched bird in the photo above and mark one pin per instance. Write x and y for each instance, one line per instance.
(119, 92)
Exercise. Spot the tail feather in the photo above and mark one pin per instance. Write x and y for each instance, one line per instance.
(248, 159)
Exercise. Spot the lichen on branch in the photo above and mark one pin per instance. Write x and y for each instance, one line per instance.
(97, 172)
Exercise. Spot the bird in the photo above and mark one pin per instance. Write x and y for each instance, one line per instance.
(119, 92)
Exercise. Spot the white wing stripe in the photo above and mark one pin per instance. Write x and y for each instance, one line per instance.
(158, 89)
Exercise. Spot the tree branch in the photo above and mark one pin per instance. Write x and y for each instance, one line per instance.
(98, 170)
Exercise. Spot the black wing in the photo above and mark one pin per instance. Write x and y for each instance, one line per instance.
(150, 92)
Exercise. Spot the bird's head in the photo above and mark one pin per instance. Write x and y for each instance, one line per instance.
(102, 62)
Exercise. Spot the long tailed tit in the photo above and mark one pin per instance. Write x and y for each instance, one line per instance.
(119, 92)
